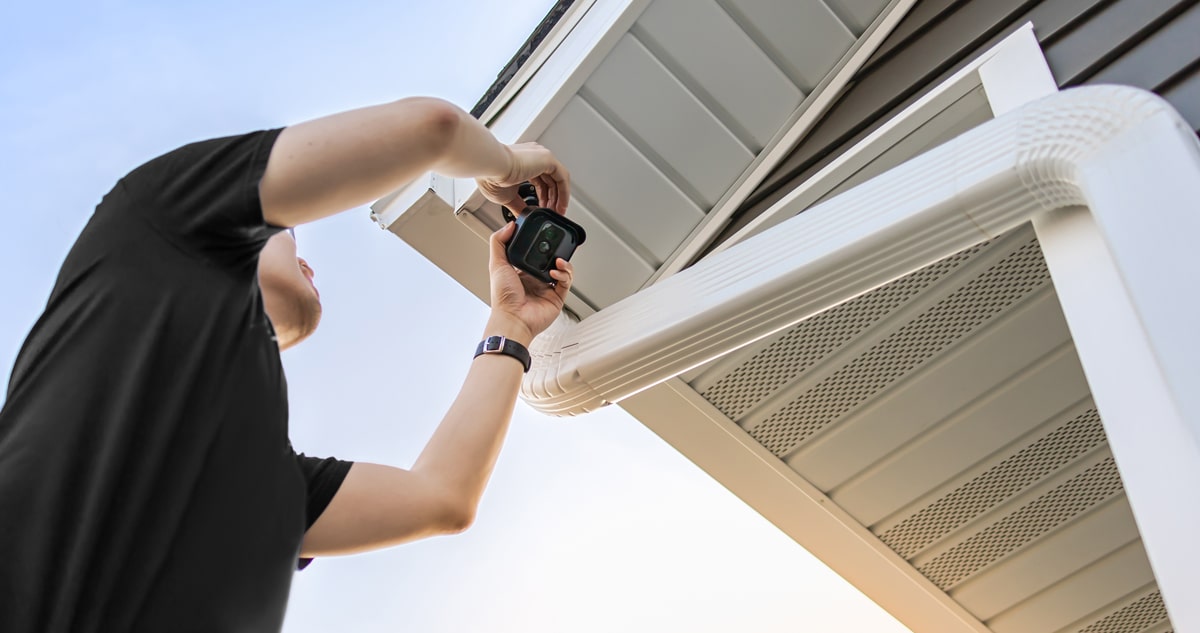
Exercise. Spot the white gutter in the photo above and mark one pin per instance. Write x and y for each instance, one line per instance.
(1064, 150)
(1110, 177)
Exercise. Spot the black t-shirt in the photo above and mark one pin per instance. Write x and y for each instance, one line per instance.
(146, 478)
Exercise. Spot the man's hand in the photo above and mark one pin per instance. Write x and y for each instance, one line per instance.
(520, 298)
(538, 165)
(328, 165)
(379, 506)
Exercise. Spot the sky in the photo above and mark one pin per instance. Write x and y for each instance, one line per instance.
(589, 524)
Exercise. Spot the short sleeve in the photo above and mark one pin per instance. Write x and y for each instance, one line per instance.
(322, 478)
(204, 197)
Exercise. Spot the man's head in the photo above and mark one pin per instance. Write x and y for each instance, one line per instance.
(289, 296)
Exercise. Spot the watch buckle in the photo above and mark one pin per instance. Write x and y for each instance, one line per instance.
(498, 341)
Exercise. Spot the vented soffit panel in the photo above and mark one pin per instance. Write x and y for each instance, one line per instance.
(947, 413)
(946, 418)
(661, 129)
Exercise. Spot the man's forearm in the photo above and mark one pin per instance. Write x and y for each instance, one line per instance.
(462, 453)
(471, 151)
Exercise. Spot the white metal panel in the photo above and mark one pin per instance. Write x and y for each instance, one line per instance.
(622, 185)
(780, 369)
(1019, 521)
(722, 65)
(991, 483)
(644, 101)
(869, 432)
(857, 15)
(1008, 411)
(806, 38)
(896, 418)
(907, 347)
(1093, 588)
(607, 269)
(1038, 567)
(687, 112)
(795, 128)
(1140, 612)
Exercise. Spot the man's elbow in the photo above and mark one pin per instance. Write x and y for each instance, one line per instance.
(458, 518)
(437, 119)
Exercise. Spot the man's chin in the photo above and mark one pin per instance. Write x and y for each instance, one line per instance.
(303, 322)
(310, 319)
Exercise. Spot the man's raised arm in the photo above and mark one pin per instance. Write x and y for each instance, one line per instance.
(334, 163)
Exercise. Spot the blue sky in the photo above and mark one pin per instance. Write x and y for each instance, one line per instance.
(589, 525)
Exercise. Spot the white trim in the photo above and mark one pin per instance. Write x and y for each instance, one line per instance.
(387, 210)
(1016, 73)
(686, 421)
(797, 126)
(1135, 379)
(1018, 48)
(1140, 395)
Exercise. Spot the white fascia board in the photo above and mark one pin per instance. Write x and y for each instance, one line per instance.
(690, 424)
(389, 209)
(421, 215)
(1122, 156)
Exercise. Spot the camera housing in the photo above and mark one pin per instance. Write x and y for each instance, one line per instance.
(543, 236)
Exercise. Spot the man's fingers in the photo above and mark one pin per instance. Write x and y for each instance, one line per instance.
(563, 275)
(540, 188)
(499, 240)
(558, 188)
(517, 207)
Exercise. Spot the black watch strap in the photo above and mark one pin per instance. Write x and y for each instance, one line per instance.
(506, 346)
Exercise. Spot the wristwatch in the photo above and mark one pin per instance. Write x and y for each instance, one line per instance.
(506, 346)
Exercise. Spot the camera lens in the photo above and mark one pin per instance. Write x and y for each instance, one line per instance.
(543, 246)
(550, 233)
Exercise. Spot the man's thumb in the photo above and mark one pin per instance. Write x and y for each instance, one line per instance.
(499, 241)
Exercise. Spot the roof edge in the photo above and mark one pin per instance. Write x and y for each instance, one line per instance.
(522, 55)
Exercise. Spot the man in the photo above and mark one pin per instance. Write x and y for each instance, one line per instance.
(146, 479)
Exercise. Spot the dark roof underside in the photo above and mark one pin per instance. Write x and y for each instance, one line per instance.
(510, 69)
